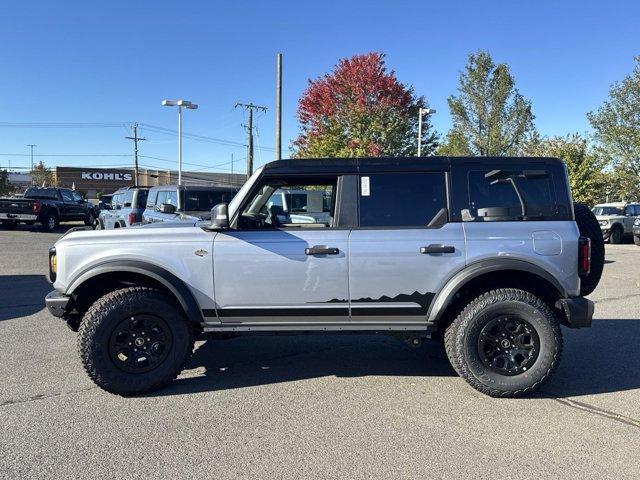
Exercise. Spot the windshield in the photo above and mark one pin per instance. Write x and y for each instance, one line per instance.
(600, 210)
(235, 203)
(204, 200)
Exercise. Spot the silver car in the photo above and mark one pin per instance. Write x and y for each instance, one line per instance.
(127, 205)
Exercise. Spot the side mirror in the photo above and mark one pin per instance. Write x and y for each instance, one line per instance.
(220, 216)
(167, 208)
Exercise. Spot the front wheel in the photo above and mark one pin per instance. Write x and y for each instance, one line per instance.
(505, 343)
(615, 237)
(134, 340)
(91, 219)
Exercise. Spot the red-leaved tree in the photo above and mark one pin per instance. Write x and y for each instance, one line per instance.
(361, 110)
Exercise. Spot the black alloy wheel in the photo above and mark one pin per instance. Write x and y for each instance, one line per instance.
(140, 343)
(508, 345)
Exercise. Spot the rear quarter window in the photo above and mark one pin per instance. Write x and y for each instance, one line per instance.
(497, 191)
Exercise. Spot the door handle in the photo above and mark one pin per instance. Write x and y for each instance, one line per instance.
(321, 250)
(437, 248)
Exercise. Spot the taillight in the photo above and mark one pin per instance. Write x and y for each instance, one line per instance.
(36, 206)
(584, 256)
(132, 218)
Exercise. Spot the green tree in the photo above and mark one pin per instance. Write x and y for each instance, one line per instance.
(616, 126)
(586, 176)
(42, 175)
(358, 110)
(5, 186)
(490, 117)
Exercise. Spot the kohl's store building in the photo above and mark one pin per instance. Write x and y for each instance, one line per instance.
(92, 181)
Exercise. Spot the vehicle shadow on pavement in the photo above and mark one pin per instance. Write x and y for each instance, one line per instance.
(261, 360)
(601, 359)
(22, 295)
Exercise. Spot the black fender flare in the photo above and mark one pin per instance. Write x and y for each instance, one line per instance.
(460, 278)
(174, 284)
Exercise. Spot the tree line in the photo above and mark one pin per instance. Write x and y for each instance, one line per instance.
(362, 109)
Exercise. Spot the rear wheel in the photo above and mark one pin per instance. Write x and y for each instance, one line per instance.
(505, 343)
(615, 237)
(49, 222)
(133, 341)
(589, 227)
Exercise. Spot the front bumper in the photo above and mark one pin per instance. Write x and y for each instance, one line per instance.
(606, 231)
(578, 311)
(56, 303)
(636, 231)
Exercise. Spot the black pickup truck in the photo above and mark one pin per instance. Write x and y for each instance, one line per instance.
(48, 206)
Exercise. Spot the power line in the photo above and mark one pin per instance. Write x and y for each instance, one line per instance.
(64, 125)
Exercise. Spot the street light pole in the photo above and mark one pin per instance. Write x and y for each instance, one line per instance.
(179, 145)
(31, 172)
(421, 112)
(180, 104)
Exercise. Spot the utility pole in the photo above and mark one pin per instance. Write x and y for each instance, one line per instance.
(250, 107)
(135, 139)
(279, 108)
(31, 172)
(421, 112)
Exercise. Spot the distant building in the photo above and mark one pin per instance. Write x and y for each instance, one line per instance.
(19, 180)
(91, 181)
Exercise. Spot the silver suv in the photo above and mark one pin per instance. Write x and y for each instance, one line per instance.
(127, 205)
(616, 219)
(488, 254)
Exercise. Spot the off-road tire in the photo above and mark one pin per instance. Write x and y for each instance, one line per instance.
(636, 240)
(48, 224)
(105, 315)
(461, 342)
(589, 227)
(616, 234)
(90, 220)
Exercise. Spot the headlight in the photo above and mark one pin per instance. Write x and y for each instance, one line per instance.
(603, 222)
(637, 222)
(53, 264)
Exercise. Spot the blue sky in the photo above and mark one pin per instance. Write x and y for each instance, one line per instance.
(114, 61)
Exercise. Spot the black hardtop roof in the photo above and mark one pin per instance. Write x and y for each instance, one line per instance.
(400, 164)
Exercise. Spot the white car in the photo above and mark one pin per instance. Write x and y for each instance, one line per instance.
(616, 219)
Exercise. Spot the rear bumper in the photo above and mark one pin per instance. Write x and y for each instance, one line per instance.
(56, 303)
(20, 217)
(578, 311)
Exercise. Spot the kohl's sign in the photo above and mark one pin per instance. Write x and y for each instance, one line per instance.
(107, 176)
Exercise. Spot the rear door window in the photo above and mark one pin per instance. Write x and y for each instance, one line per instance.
(401, 199)
(66, 196)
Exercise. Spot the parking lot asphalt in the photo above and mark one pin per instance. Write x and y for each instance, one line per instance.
(314, 406)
